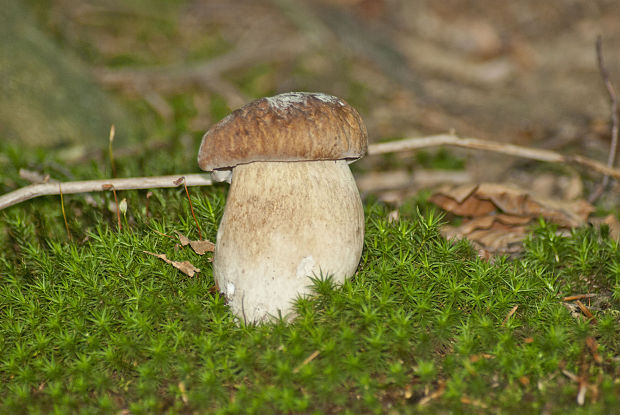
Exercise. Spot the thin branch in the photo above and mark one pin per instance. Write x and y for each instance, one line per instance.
(503, 148)
(611, 91)
(132, 183)
(510, 314)
(36, 190)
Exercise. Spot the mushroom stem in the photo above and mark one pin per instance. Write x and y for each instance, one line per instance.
(283, 223)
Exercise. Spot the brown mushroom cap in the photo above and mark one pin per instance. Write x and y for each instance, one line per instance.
(296, 126)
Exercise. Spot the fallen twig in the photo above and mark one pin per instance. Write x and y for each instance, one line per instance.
(503, 148)
(132, 183)
(441, 388)
(586, 312)
(611, 91)
(510, 314)
(307, 360)
(578, 297)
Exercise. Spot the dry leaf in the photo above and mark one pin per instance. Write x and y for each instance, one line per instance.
(200, 247)
(500, 214)
(471, 200)
(495, 222)
(461, 200)
(185, 267)
(499, 241)
(184, 239)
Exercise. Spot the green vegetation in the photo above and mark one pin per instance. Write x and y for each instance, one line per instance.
(94, 325)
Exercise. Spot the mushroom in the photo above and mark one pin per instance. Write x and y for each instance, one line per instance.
(293, 210)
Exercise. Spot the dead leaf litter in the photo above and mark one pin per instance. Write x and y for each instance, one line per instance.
(201, 246)
(185, 267)
(498, 216)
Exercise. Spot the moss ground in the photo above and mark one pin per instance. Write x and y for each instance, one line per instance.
(94, 325)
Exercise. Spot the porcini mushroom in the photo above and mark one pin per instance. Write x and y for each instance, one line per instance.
(293, 209)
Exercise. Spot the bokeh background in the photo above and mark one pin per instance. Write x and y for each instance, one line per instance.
(164, 71)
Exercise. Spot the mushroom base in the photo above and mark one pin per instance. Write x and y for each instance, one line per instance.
(284, 223)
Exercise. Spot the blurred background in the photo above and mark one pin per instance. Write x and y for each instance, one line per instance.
(163, 72)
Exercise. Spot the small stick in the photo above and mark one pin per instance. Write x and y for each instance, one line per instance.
(64, 216)
(570, 375)
(307, 360)
(510, 314)
(191, 207)
(585, 311)
(436, 394)
(162, 234)
(503, 148)
(578, 297)
(32, 191)
(611, 91)
(131, 183)
(111, 153)
(118, 211)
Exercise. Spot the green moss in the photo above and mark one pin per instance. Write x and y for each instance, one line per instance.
(83, 320)
(96, 325)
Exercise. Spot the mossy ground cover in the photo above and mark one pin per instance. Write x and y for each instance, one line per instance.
(95, 325)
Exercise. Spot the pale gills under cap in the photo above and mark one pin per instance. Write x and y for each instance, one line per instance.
(296, 126)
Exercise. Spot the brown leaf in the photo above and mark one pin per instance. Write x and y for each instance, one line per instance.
(182, 238)
(469, 207)
(516, 201)
(495, 222)
(497, 239)
(461, 201)
(480, 200)
(185, 267)
(499, 214)
(200, 246)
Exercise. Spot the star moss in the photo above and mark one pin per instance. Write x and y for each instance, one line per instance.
(95, 325)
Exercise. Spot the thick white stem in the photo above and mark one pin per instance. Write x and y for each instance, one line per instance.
(283, 223)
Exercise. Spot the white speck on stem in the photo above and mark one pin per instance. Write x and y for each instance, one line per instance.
(230, 289)
(305, 267)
